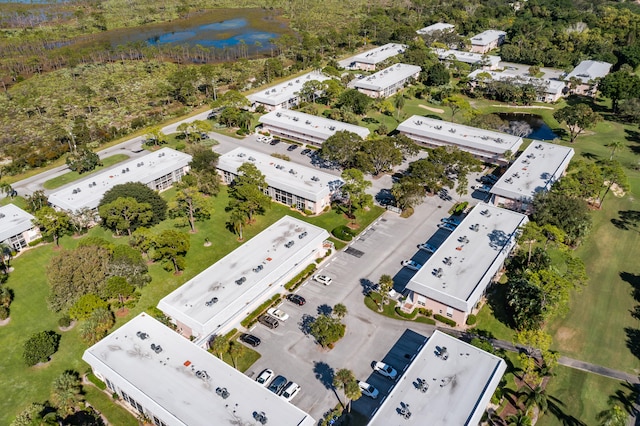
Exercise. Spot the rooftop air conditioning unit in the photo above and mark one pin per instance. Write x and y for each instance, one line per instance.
(307, 122)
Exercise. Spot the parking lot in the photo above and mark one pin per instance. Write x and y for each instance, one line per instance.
(289, 351)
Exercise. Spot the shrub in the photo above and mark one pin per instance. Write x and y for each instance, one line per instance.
(40, 346)
(426, 312)
(459, 208)
(298, 279)
(35, 242)
(343, 233)
(410, 315)
(326, 208)
(308, 212)
(253, 316)
(4, 313)
(181, 146)
(64, 321)
(445, 320)
(281, 156)
(471, 319)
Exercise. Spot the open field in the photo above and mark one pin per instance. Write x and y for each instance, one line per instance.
(30, 314)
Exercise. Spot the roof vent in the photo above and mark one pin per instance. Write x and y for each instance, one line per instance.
(332, 127)
(142, 335)
(211, 302)
(222, 392)
(307, 122)
(404, 410)
(442, 353)
(1, 215)
(260, 417)
(156, 348)
(241, 280)
(301, 236)
(295, 119)
(289, 244)
(258, 268)
(201, 374)
(278, 114)
(422, 385)
(452, 130)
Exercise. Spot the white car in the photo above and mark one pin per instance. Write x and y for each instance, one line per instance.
(265, 139)
(277, 313)
(368, 390)
(411, 264)
(322, 279)
(427, 247)
(265, 377)
(386, 370)
(447, 227)
(290, 391)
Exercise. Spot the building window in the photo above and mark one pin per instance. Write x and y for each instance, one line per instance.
(17, 242)
(110, 385)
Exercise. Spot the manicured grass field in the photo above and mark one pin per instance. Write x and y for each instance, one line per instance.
(584, 395)
(30, 314)
(69, 177)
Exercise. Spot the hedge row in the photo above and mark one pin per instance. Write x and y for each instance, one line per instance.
(403, 314)
(252, 318)
(445, 320)
(299, 279)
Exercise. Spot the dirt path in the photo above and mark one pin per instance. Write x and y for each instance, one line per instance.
(438, 110)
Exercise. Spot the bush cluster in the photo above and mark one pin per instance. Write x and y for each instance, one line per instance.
(343, 233)
(471, 319)
(445, 320)
(403, 314)
(299, 279)
(253, 316)
(426, 312)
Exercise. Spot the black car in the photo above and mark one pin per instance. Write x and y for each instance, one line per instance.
(250, 339)
(305, 151)
(298, 300)
(274, 142)
(292, 147)
(278, 384)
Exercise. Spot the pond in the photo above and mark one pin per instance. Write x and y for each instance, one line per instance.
(540, 130)
(253, 29)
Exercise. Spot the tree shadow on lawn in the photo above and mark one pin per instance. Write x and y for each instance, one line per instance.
(627, 398)
(628, 220)
(633, 136)
(590, 156)
(497, 301)
(633, 341)
(634, 280)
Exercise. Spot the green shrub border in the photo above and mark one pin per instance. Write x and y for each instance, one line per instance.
(296, 281)
(471, 319)
(99, 383)
(252, 318)
(445, 320)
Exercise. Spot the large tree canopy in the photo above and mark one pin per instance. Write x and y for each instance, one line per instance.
(142, 194)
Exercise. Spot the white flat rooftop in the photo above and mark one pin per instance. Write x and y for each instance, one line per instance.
(280, 93)
(169, 378)
(88, 192)
(550, 85)
(459, 387)
(375, 56)
(313, 125)
(387, 77)
(14, 221)
(461, 135)
(589, 70)
(535, 170)
(438, 26)
(297, 179)
(191, 304)
(468, 57)
(457, 273)
(487, 37)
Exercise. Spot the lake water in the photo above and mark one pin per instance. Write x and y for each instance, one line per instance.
(218, 28)
(540, 129)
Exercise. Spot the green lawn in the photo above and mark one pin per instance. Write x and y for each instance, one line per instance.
(69, 177)
(105, 405)
(583, 394)
(29, 312)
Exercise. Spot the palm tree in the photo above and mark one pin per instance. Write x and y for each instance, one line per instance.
(67, 391)
(345, 379)
(615, 145)
(219, 345)
(6, 296)
(535, 397)
(6, 254)
(236, 219)
(235, 349)
(519, 419)
(340, 310)
(386, 284)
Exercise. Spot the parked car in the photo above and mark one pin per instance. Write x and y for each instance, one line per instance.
(298, 300)
(322, 279)
(277, 313)
(427, 247)
(250, 339)
(484, 189)
(290, 391)
(385, 370)
(274, 142)
(278, 384)
(305, 151)
(269, 321)
(265, 377)
(449, 221)
(447, 226)
(368, 390)
(411, 264)
(292, 147)
(265, 139)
